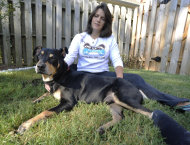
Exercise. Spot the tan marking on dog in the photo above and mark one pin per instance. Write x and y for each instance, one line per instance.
(42, 52)
(50, 55)
(117, 101)
(57, 94)
(58, 65)
(143, 94)
(47, 78)
(51, 68)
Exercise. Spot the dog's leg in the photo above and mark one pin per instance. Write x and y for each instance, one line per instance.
(26, 125)
(41, 97)
(117, 115)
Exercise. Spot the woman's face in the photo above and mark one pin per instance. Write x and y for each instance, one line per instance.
(98, 21)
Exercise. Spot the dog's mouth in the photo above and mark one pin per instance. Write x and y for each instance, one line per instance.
(42, 71)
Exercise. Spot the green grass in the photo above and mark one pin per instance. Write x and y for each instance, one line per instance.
(79, 125)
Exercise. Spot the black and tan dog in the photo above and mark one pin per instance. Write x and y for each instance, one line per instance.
(70, 86)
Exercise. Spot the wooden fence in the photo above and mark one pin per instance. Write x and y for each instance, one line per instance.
(142, 32)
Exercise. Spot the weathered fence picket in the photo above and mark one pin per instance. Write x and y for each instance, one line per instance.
(139, 24)
(178, 35)
(121, 33)
(133, 32)
(185, 65)
(49, 24)
(38, 12)
(6, 38)
(28, 32)
(17, 31)
(76, 16)
(85, 14)
(58, 24)
(168, 35)
(127, 38)
(144, 29)
(150, 33)
(67, 23)
(157, 40)
(115, 25)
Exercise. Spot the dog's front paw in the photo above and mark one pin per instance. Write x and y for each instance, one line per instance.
(23, 127)
(101, 130)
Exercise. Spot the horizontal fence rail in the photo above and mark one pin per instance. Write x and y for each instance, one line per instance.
(143, 31)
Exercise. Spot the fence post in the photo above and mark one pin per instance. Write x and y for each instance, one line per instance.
(58, 23)
(127, 38)
(28, 32)
(185, 64)
(178, 35)
(49, 25)
(38, 12)
(143, 31)
(84, 14)
(94, 4)
(156, 47)
(67, 23)
(121, 30)
(139, 21)
(150, 34)
(6, 38)
(76, 16)
(168, 35)
(17, 33)
(131, 53)
(116, 14)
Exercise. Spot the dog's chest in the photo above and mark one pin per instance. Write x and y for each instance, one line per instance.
(57, 94)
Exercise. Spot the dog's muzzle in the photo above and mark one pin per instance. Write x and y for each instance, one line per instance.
(40, 68)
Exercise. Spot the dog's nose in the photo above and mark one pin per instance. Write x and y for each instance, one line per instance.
(41, 66)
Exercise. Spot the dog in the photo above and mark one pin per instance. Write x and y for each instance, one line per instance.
(70, 87)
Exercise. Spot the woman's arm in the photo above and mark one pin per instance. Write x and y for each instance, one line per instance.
(119, 71)
(116, 59)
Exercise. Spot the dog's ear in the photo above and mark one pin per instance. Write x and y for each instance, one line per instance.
(37, 50)
(64, 51)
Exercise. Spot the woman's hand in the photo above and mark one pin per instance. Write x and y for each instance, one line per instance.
(119, 71)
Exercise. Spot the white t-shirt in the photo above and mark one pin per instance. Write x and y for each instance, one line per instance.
(93, 54)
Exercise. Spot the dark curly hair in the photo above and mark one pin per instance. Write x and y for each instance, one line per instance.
(107, 29)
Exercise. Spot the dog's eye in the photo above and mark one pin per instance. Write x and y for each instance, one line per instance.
(51, 55)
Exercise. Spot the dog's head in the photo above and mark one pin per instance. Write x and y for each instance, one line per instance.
(50, 62)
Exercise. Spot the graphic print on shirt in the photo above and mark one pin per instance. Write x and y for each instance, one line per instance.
(94, 52)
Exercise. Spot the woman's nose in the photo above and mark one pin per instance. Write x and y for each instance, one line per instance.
(98, 19)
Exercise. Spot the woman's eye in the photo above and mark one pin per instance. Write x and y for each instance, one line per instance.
(103, 19)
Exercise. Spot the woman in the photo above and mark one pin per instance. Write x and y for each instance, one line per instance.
(97, 45)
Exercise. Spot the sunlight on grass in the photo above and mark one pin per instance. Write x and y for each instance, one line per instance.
(18, 90)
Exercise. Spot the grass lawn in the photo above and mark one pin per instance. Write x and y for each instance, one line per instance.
(17, 91)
